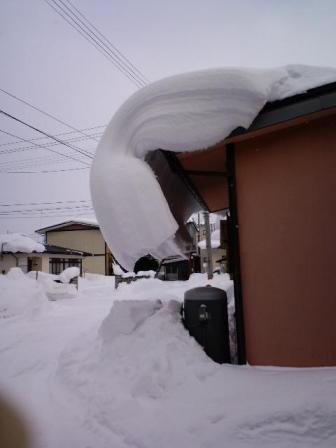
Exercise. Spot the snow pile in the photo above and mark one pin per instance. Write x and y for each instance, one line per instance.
(138, 274)
(144, 375)
(126, 317)
(187, 112)
(41, 276)
(88, 375)
(117, 269)
(57, 286)
(20, 295)
(100, 285)
(68, 274)
(146, 274)
(215, 240)
(16, 242)
(57, 291)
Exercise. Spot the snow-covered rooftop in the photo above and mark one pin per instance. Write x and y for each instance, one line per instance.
(17, 242)
(187, 112)
(68, 222)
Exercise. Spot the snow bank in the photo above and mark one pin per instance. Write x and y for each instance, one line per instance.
(188, 112)
(68, 274)
(16, 242)
(143, 375)
(55, 290)
(149, 273)
(88, 375)
(126, 317)
(20, 295)
(117, 269)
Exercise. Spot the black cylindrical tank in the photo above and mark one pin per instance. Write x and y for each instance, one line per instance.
(205, 316)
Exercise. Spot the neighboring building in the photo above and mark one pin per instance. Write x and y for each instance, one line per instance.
(218, 252)
(278, 180)
(177, 267)
(53, 260)
(82, 235)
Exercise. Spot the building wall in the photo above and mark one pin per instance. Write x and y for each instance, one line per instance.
(216, 255)
(87, 240)
(37, 263)
(45, 263)
(7, 261)
(286, 201)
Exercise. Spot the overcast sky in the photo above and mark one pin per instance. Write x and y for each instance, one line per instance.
(45, 62)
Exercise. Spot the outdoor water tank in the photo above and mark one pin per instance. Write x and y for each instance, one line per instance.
(205, 316)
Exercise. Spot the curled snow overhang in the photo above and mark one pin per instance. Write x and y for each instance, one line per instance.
(183, 113)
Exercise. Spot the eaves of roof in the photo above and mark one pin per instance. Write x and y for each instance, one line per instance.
(312, 101)
(66, 224)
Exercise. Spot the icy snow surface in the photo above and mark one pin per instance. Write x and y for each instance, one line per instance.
(116, 368)
(187, 112)
(15, 242)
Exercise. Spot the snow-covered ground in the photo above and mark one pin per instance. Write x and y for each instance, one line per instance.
(116, 368)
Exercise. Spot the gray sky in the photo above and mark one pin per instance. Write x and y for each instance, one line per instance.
(48, 64)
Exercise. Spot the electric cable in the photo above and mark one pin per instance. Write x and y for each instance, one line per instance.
(44, 133)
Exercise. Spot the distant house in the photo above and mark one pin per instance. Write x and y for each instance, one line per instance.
(53, 260)
(81, 235)
(179, 267)
(218, 252)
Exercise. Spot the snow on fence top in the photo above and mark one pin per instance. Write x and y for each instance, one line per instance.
(187, 112)
(15, 242)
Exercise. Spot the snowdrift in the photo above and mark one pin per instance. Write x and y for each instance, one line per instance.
(20, 295)
(187, 112)
(143, 375)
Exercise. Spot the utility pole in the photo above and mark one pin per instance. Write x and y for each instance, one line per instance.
(208, 244)
(198, 236)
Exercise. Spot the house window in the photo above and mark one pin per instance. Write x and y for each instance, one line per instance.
(57, 265)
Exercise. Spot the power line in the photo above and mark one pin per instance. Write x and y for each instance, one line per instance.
(73, 215)
(74, 148)
(39, 146)
(121, 56)
(45, 203)
(48, 212)
(44, 145)
(97, 134)
(47, 135)
(38, 210)
(75, 22)
(45, 113)
(123, 66)
(44, 171)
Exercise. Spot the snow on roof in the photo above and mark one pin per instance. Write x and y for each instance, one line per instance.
(16, 242)
(187, 112)
(70, 221)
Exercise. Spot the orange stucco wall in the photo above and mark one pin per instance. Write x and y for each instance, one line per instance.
(286, 199)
